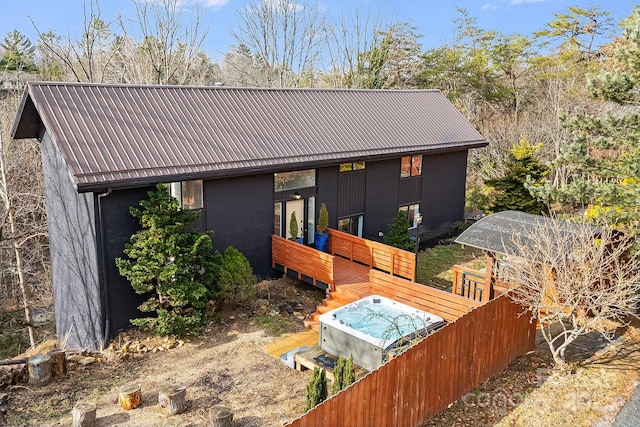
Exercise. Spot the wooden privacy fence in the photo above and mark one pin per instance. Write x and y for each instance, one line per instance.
(303, 262)
(372, 254)
(424, 380)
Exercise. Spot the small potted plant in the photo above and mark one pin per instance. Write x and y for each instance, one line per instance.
(321, 234)
(293, 228)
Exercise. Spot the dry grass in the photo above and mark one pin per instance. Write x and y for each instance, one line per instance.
(531, 394)
(226, 365)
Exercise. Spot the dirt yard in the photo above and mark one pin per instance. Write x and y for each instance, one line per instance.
(227, 365)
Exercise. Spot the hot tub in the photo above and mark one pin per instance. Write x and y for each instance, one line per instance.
(373, 327)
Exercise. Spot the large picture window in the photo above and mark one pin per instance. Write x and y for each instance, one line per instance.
(188, 193)
(292, 180)
(411, 166)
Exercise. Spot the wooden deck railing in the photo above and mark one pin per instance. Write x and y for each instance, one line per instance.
(470, 283)
(303, 262)
(372, 254)
(444, 304)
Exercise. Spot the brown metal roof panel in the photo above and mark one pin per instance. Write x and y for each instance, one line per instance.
(148, 130)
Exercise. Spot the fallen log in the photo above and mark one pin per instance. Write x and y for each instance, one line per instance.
(13, 362)
(84, 414)
(130, 396)
(15, 374)
(39, 370)
(173, 400)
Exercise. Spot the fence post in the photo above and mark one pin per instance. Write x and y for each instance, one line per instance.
(488, 281)
(456, 278)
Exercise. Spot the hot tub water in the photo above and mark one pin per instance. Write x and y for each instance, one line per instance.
(372, 327)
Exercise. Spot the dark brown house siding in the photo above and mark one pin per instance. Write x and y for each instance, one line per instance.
(443, 190)
(351, 193)
(410, 190)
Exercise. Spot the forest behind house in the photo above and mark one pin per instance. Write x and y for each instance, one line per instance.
(558, 107)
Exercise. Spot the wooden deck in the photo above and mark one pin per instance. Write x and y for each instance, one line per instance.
(355, 268)
(351, 278)
(351, 283)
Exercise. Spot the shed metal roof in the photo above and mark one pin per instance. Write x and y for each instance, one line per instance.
(114, 135)
(494, 233)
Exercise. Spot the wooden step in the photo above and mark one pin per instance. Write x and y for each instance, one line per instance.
(331, 303)
(312, 324)
(323, 309)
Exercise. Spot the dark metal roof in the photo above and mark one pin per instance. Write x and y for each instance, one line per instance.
(494, 232)
(111, 135)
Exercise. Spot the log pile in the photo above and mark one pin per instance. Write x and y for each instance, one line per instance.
(13, 374)
(130, 347)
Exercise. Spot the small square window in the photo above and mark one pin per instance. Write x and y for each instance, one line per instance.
(411, 166)
(357, 166)
(346, 167)
(188, 193)
(405, 167)
(416, 165)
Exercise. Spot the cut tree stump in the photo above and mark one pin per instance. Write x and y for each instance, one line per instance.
(130, 396)
(173, 400)
(84, 414)
(220, 416)
(58, 362)
(39, 370)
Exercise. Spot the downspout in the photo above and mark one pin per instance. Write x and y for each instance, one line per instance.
(103, 268)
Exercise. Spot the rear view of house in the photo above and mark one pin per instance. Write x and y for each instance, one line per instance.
(246, 158)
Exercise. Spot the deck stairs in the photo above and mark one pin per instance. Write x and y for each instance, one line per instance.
(351, 284)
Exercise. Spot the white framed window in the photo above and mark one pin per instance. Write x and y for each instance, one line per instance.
(277, 219)
(188, 193)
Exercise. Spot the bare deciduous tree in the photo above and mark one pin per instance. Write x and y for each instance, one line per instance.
(286, 36)
(171, 43)
(90, 58)
(23, 236)
(347, 42)
(168, 50)
(575, 279)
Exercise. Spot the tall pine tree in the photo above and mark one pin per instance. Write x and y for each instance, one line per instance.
(172, 263)
(604, 157)
(510, 191)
